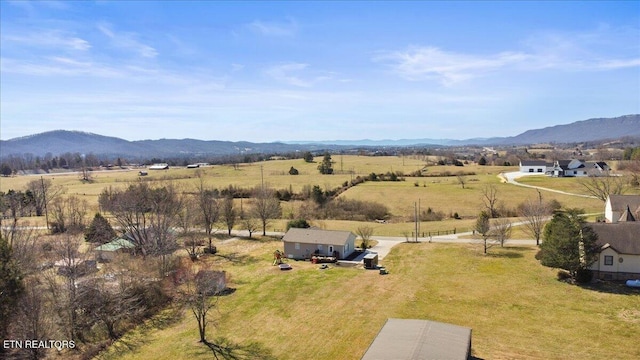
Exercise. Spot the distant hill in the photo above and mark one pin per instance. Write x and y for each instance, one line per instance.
(580, 131)
(62, 141)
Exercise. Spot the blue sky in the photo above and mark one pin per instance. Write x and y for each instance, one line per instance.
(280, 71)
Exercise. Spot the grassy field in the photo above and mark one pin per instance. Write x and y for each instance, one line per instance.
(516, 308)
(440, 193)
(568, 184)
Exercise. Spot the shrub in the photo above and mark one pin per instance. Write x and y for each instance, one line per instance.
(563, 275)
(298, 223)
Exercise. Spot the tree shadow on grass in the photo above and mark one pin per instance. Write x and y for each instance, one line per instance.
(505, 255)
(237, 258)
(133, 340)
(509, 252)
(223, 348)
(611, 287)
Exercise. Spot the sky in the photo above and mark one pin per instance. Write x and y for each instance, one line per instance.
(300, 71)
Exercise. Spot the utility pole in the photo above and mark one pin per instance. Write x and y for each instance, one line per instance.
(418, 217)
(44, 199)
(262, 177)
(415, 210)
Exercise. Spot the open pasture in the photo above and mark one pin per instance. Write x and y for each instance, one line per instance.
(440, 193)
(516, 308)
(445, 194)
(568, 184)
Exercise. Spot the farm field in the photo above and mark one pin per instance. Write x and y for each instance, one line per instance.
(516, 308)
(440, 193)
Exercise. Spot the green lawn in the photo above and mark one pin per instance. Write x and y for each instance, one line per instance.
(516, 308)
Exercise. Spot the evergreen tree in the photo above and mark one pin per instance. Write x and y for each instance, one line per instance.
(568, 243)
(326, 167)
(99, 231)
(11, 286)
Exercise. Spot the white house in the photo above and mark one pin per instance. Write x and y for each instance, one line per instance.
(533, 166)
(616, 205)
(575, 167)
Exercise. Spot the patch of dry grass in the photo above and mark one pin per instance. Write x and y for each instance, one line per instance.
(516, 308)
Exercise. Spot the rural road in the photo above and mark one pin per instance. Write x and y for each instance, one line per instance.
(511, 177)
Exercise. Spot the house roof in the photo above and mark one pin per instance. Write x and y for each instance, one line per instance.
(116, 245)
(317, 236)
(627, 215)
(401, 339)
(624, 237)
(621, 202)
(532, 163)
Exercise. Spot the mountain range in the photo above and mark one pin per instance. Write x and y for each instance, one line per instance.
(62, 141)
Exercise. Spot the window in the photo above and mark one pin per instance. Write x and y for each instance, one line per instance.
(530, 170)
(608, 260)
(297, 246)
(539, 170)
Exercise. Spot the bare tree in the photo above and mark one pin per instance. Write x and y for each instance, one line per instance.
(33, 321)
(68, 214)
(65, 294)
(165, 207)
(108, 305)
(501, 230)
(490, 199)
(147, 216)
(483, 228)
(249, 222)
(601, 187)
(207, 201)
(461, 180)
(228, 213)
(266, 207)
(186, 219)
(43, 192)
(198, 291)
(365, 232)
(535, 214)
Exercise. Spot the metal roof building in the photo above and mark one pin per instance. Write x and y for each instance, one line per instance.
(412, 339)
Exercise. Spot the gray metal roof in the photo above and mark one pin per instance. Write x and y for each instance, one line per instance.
(412, 339)
(317, 236)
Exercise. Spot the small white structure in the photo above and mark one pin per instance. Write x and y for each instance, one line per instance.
(159, 166)
(533, 166)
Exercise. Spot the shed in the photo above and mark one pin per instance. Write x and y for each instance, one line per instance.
(106, 252)
(370, 261)
(413, 339)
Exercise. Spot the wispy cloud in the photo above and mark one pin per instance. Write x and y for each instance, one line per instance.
(588, 51)
(432, 63)
(296, 74)
(266, 28)
(48, 39)
(127, 41)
